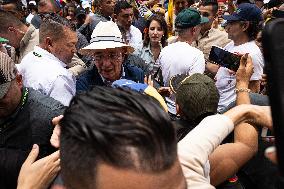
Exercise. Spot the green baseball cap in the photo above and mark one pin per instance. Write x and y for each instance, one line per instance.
(189, 18)
(3, 40)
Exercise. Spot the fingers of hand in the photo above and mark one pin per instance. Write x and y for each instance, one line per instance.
(54, 140)
(270, 153)
(55, 121)
(145, 80)
(33, 155)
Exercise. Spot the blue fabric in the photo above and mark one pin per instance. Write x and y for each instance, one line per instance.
(124, 83)
(92, 78)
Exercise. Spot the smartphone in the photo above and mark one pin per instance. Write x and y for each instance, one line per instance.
(224, 58)
(273, 48)
(278, 14)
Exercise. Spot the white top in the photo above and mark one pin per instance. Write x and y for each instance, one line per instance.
(180, 58)
(134, 39)
(226, 82)
(195, 148)
(29, 18)
(44, 72)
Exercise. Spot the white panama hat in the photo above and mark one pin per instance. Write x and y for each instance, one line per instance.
(106, 35)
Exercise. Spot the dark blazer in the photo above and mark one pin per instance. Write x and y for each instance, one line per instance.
(92, 78)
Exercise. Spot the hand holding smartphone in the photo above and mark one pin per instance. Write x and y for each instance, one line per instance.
(224, 58)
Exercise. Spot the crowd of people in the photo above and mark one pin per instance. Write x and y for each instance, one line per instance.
(124, 94)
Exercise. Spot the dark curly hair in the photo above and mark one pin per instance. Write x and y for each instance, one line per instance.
(253, 29)
(161, 20)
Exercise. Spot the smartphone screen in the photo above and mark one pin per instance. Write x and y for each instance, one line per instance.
(224, 58)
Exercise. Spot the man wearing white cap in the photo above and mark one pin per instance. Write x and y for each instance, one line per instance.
(108, 54)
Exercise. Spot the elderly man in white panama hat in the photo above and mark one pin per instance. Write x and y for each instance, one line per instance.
(108, 52)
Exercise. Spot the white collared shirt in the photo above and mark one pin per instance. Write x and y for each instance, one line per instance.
(44, 72)
(134, 39)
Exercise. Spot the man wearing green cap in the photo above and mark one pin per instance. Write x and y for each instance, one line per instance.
(181, 57)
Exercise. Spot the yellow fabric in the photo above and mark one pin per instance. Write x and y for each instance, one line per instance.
(171, 16)
(151, 91)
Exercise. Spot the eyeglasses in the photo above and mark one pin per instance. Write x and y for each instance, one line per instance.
(112, 56)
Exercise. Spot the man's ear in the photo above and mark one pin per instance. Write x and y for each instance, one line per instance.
(245, 26)
(48, 44)
(12, 29)
(115, 16)
(194, 30)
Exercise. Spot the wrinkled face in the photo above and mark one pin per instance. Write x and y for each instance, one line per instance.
(107, 7)
(234, 30)
(109, 63)
(125, 178)
(155, 31)
(207, 11)
(125, 18)
(64, 49)
(180, 5)
(12, 98)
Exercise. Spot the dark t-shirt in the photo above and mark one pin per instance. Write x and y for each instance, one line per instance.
(30, 124)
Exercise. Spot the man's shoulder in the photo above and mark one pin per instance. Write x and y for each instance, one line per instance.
(95, 19)
(248, 47)
(36, 62)
(180, 47)
(88, 79)
(29, 58)
(132, 67)
(217, 32)
(44, 103)
(134, 73)
(135, 30)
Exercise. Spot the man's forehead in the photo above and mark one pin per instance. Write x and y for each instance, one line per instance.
(103, 51)
(126, 11)
(139, 179)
